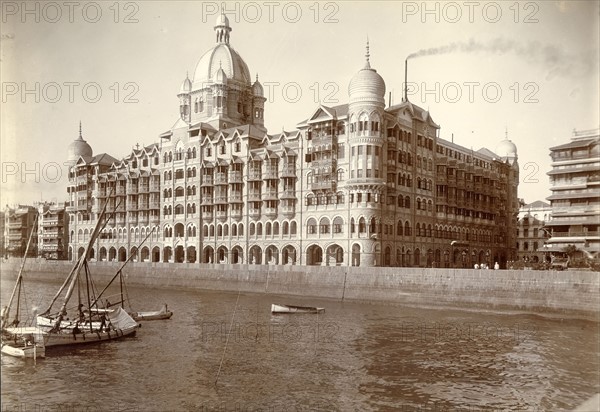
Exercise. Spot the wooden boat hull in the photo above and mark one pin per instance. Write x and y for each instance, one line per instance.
(119, 324)
(24, 351)
(67, 337)
(275, 308)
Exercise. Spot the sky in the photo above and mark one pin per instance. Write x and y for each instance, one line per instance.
(485, 70)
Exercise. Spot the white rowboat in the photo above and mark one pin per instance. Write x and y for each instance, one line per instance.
(275, 308)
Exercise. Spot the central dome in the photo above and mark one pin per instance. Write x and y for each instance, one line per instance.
(225, 57)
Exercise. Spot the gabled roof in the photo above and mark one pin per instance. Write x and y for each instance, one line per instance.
(575, 144)
(538, 204)
(488, 153)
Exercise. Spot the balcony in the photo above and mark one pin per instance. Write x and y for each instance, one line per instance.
(207, 180)
(15, 225)
(254, 213)
(220, 200)
(120, 190)
(288, 171)
(235, 177)
(595, 234)
(154, 205)
(254, 196)
(288, 211)
(143, 189)
(221, 179)
(221, 215)
(236, 213)
(154, 220)
(235, 197)
(270, 211)
(270, 195)
(254, 175)
(207, 216)
(206, 201)
(288, 194)
(271, 174)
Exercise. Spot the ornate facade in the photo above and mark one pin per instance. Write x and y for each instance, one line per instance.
(358, 184)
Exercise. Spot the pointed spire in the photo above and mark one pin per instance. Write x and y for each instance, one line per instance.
(80, 137)
(367, 55)
(256, 76)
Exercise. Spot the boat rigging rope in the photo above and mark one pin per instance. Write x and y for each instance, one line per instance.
(227, 340)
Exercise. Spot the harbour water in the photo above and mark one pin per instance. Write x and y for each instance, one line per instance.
(219, 355)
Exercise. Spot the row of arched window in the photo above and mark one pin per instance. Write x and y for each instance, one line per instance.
(180, 154)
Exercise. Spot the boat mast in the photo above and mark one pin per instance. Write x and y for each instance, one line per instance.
(83, 261)
(19, 278)
(119, 272)
(77, 266)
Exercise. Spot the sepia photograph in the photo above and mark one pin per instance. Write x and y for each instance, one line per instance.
(300, 205)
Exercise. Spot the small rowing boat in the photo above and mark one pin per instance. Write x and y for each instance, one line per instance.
(275, 308)
(23, 342)
(163, 313)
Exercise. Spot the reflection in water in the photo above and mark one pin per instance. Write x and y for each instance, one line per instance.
(352, 357)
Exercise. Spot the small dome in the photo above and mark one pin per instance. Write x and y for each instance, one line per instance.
(506, 148)
(77, 148)
(186, 86)
(221, 77)
(257, 89)
(367, 85)
(222, 20)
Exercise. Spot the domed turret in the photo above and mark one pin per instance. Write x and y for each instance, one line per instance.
(257, 88)
(78, 148)
(506, 148)
(186, 86)
(221, 77)
(222, 28)
(367, 85)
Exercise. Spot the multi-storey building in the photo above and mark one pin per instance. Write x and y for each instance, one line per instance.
(82, 206)
(356, 184)
(575, 199)
(532, 233)
(19, 222)
(53, 231)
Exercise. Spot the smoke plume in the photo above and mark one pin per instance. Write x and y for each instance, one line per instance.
(558, 61)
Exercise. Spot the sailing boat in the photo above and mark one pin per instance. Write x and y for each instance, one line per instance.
(88, 324)
(21, 341)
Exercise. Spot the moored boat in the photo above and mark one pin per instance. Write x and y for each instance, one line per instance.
(88, 323)
(163, 313)
(23, 342)
(277, 308)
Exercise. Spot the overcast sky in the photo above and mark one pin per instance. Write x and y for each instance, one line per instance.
(481, 68)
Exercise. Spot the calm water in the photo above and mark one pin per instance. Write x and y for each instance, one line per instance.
(354, 357)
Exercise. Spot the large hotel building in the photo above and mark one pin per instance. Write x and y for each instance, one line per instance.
(358, 184)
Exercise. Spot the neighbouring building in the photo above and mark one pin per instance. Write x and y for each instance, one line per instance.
(19, 222)
(357, 184)
(575, 199)
(532, 233)
(53, 231)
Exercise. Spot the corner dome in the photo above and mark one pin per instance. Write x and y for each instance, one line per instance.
(367, 85)
(506, 148)
(257, 89)
(77, 148)
(224, 57)
(186, 86)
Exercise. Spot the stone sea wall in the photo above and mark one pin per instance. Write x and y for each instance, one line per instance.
(563, 293)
